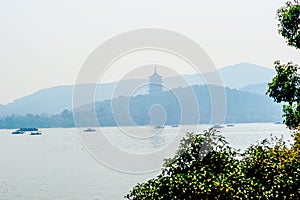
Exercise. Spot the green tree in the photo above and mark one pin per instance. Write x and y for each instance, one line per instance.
(289, 23)
(268, 170)
(285, 86)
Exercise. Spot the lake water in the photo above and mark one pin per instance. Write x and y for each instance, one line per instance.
(57, 165)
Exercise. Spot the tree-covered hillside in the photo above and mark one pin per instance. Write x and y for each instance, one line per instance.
(181, 105)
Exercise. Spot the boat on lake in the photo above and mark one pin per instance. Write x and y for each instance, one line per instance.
(28, 129)
(89, 130)
(159, 127)
(17, 132)
(23, 130)
(175, 125)
(216, 126)
(230, 125)
(36, 133)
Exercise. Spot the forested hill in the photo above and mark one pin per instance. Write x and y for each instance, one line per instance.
(167, 107)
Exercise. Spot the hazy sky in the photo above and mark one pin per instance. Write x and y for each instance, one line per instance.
(44, 43)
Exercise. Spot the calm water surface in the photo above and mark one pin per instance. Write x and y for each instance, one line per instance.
(56, 165)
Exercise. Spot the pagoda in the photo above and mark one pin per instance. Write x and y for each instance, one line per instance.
(155, 83)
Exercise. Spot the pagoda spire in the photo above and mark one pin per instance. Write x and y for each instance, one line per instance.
(155, 83)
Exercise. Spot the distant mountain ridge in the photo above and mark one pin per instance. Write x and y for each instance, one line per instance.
(189, 105)
(260, 88)
(238, 75)
(241, 75)
(55, 99)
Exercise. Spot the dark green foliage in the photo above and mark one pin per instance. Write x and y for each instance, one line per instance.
(291, 113)
(285, 87)
(289, 23)
(205, 167)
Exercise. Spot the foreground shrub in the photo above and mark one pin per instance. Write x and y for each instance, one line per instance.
(206, 167)
(274, 170)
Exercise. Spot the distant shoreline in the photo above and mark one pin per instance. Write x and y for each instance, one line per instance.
(168, 125)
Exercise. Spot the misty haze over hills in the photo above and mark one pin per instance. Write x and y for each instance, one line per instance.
(244, 76)
(259, 88)
(189, 105)
(180, 107)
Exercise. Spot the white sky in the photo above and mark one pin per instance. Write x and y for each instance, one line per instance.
(44, 43)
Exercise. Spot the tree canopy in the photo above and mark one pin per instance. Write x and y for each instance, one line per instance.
(289, 23)
(285, 86)
(268, 170)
